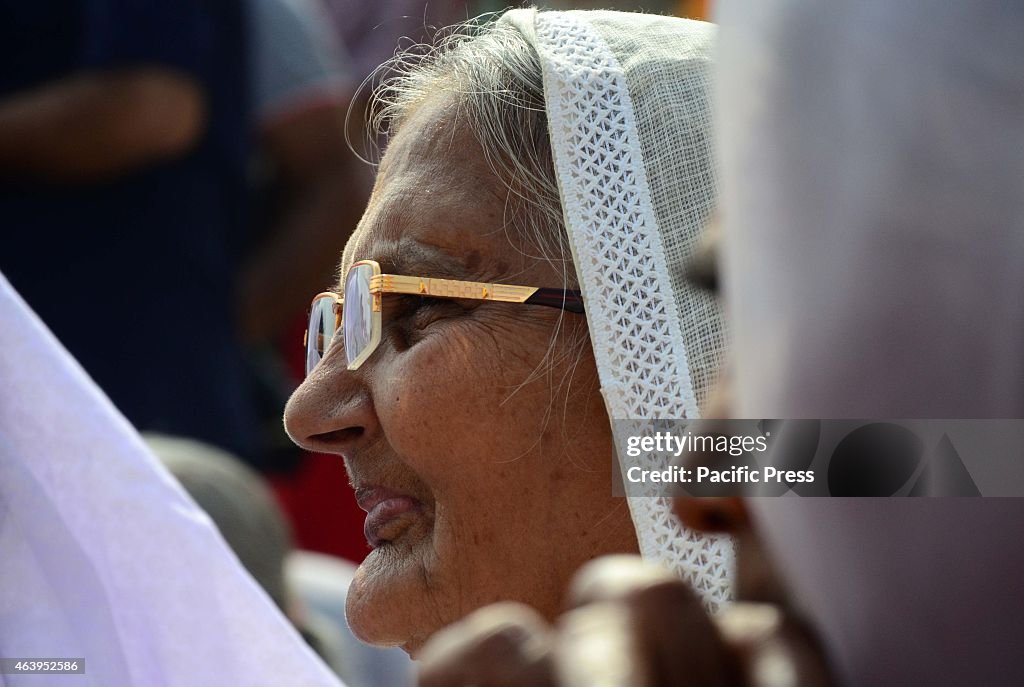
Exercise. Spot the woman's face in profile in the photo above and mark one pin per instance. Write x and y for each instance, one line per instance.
(475, 434)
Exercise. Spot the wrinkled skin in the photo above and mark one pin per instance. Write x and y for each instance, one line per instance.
(630, 623)
(510, 471)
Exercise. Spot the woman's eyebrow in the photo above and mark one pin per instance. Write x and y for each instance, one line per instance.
(416, 260)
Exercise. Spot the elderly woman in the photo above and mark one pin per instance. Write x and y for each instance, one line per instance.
(515, 284)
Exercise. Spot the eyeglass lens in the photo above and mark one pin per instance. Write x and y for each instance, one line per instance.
(320, 331)
(357, 321)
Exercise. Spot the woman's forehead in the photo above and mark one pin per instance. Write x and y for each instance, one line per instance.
(435, 233)
(433, 137)
(436, 204)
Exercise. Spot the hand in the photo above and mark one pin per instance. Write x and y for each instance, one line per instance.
(631, 624)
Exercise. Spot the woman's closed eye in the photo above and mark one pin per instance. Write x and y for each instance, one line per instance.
(419, 312)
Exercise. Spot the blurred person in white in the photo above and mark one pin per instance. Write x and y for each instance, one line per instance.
(873, 224)
(245, 513)
(309, 588)
(105, 558)
(873, 228)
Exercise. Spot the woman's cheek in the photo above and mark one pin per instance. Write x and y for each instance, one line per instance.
(448, 398)
(432, 392)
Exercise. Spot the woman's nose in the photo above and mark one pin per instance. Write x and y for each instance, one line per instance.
(331, 412)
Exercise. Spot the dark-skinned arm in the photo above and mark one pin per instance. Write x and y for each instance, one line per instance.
(96, 125)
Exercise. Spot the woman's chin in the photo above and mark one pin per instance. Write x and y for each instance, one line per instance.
(385, 600)
(383, 624)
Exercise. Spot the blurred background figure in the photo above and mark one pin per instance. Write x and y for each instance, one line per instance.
(308, 191)
(308, 188)
(309, 588)
(123, 147)
(371, 31)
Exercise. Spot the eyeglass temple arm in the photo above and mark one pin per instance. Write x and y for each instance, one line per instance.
(566, 299)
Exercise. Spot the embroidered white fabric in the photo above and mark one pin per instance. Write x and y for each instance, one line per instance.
(628, 112)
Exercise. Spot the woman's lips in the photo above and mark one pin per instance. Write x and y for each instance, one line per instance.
(388, 513)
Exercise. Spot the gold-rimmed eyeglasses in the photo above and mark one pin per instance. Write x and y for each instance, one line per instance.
(357, 312)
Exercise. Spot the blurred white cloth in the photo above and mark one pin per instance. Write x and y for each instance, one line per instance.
(872, 158)
(873, 217)
(102, 555)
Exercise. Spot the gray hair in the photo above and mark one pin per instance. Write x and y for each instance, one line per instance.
(495, 74)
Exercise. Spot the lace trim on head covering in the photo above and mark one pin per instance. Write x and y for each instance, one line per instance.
(620, 260)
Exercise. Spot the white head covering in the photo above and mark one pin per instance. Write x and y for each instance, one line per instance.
(627, 99)
(873, 213)
(102, 554)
